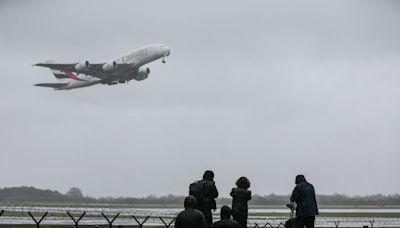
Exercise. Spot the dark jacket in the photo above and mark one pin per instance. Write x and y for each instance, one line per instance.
(210, 193)
(304, 196)
(240, 197)
(190, 218)
(226, 223)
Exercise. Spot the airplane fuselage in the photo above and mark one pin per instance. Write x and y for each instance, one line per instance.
(118, 70)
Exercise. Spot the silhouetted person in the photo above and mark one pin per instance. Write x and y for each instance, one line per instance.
(241, 195)
(226, 221)
(205, 192)
(304, 196)
(190, 217)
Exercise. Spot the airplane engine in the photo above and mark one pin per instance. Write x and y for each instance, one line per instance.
(82, 66)
(142, 74)
(110, 66)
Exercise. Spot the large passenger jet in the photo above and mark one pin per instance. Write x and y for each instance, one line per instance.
(119, 70)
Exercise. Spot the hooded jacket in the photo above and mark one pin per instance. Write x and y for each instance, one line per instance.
(304, 196)
(240, 197)
(190, 217)
(226, 221)
(209, 192)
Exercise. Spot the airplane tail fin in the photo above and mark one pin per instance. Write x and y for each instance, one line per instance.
(57, 73)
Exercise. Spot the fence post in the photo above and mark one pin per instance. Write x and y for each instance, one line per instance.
(167, 225)
(372, 222)
(112, 220)
(76, 221)
(140, 223)
(40, 220)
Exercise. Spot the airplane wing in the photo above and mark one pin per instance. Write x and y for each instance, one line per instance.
(95, 70)
(52, 85)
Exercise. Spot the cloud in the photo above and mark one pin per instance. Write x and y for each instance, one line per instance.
(267, 90)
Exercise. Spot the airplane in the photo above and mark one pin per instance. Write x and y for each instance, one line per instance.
(119, 70)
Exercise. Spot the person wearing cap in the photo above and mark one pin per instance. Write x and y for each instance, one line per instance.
(190, 217)
(226, 221)
(304, 197)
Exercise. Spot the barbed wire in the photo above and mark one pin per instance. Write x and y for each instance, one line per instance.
(19, 213)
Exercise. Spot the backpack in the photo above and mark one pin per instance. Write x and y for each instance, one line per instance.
(196, 190)
(291, 223)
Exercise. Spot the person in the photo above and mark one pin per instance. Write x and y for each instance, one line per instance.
(304, 196)
(205, 192)
(226, 221)
(241, 195)
(190, 217)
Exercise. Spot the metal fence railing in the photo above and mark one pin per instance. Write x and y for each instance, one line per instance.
(125, 216)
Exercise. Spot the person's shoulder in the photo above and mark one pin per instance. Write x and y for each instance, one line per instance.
(304, 184)
(235, 223)
(198, 212)
(226, 223)
(208, 183)
(181, 213)
(217, 224)
(240, 191)
(248, 193)
(308, 184)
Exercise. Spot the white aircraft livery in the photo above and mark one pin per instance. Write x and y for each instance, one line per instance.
(119, 70)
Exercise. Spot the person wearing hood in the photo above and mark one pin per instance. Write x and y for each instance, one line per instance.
(241, 195)
(190, 217)
(205, 192)
(226, 221)
(304, 197)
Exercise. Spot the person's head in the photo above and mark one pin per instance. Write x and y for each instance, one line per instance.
(190, 202)
(226, 212)
(243, 182)
(300, 179)
(208, 175)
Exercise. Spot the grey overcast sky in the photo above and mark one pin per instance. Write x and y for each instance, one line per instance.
(265, 89)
